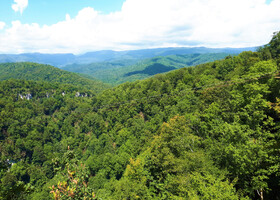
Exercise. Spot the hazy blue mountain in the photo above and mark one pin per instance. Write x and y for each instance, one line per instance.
(60, 60)
(51, 59)
(149, 53)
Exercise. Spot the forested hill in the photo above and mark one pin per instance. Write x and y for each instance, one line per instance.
(121, 71)
(40, 72)
(205, 132)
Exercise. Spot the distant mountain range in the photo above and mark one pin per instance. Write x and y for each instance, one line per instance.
(117, 72)
(60, 60)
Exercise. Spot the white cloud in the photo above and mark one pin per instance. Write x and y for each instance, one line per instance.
(151, 23)
(2, 25)
(20, 5)
(67, 17)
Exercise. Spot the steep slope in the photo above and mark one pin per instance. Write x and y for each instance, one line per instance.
(39, 72)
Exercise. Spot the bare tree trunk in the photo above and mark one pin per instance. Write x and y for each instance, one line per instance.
(260, 193)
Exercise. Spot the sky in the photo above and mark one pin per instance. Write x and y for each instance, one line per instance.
(79, 26)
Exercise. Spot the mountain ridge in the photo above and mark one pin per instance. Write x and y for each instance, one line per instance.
(62, 59)
(121, 71)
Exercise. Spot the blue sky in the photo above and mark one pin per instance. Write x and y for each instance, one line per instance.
(79, 26)
(51, 11)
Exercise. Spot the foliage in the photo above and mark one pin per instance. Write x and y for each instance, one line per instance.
(39, 72)
(75, 186)
(206, 132)
(272, 49)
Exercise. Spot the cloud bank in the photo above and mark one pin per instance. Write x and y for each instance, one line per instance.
(149, 24)
(2, 25)
(20, 5)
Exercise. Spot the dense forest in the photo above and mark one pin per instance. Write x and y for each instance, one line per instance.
(40, 72)
(206, 132)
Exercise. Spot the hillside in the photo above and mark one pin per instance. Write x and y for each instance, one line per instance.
(206, 132)
(93, 68)
(39, 72)
(125, 70)
(60, 60)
